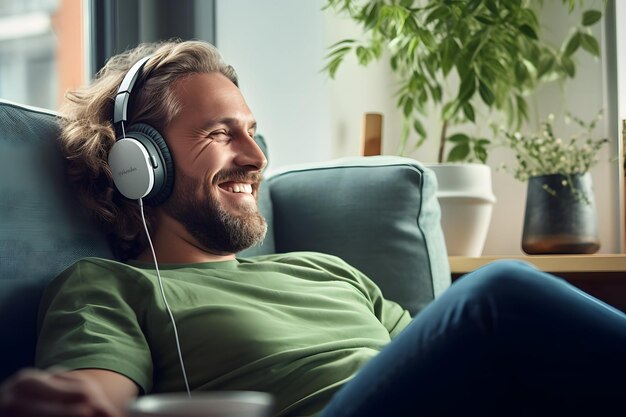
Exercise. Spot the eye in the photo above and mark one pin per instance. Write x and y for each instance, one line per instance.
(220, 135)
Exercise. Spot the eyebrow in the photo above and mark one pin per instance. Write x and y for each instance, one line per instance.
(229, 121)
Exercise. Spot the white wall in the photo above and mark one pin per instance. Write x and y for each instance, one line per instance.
(278, 47)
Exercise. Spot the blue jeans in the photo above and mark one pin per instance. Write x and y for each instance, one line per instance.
(505, 340)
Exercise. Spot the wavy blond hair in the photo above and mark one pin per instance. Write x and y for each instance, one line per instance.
(87, 132)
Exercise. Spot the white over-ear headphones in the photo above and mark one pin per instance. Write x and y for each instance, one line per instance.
(140, 162)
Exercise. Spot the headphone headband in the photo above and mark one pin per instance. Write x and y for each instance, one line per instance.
(140, 162)
(123, 93)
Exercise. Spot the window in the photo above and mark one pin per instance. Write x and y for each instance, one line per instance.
(38, 39)
(50, 46)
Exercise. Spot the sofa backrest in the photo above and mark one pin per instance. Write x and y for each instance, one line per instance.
(42, 227)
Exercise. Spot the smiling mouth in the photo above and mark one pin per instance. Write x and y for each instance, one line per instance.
(237, 187)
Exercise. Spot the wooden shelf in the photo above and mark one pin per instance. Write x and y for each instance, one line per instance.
(548, 263)
(603, 276)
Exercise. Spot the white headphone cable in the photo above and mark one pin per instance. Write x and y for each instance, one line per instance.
(167, 307)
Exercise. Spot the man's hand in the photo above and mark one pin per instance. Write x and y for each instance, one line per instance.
(82, 393)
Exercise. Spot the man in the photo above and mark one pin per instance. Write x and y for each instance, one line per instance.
(308, 328)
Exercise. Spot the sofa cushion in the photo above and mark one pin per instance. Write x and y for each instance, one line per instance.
(378, 213)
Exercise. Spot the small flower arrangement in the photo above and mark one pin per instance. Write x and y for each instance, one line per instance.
(544, 153)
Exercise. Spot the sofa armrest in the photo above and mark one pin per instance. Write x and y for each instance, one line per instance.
(380, 214)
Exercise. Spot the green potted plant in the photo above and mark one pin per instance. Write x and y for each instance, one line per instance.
(468, 60)
(560, 215)
(491, 48)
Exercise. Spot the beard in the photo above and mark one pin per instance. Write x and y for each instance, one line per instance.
(216, 229)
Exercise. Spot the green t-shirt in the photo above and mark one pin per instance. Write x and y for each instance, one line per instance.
(296, 325)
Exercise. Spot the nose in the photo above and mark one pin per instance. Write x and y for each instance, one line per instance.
(249, 155)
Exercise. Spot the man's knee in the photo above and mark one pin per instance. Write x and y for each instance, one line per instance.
(506, 275)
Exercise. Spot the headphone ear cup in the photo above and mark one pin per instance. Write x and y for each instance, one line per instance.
(161, 161)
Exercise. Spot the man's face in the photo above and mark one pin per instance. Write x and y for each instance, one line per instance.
(218, 165)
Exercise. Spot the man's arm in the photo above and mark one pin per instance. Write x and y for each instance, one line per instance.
(85, 392)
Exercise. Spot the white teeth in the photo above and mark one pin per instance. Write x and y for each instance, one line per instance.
(240, 188)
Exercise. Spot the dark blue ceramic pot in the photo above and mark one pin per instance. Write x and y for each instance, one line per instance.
(560, 215)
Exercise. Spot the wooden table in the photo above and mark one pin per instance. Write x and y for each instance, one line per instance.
(603, 276)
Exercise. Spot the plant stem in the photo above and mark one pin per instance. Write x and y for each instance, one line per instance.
(442, 140)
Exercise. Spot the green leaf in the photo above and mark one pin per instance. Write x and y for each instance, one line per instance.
(590, 44)
(341, 42)
(419, 128)
(529, 32)
(591, 16)
(568, 66)
(530, 17)
(339, 51)
(522, 109)
(458, 138)
(480, 149)
(394, 62)
(486, 94)
(408, 107)
(428, 39)
(449, 110)
(363, 55)
(493, 7)
(573, 44)
(484, 20)
(412, 24)
(372, 17)
(546, 65)
(449, 52)
(467, 88)
(333, 66)
(481, 153)
(521, 73)
(459, 152)
(436, 92)
(468, 110)
(439, 13)
(473, 5)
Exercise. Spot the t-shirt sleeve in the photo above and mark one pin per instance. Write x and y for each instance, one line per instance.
(90, 317)
(393, 316)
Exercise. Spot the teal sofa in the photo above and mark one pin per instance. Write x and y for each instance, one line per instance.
(379, 213)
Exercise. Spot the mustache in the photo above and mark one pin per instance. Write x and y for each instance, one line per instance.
(238, 175)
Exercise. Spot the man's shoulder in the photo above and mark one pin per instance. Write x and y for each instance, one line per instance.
(94, 270)
(96, 264)
(302, 258)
